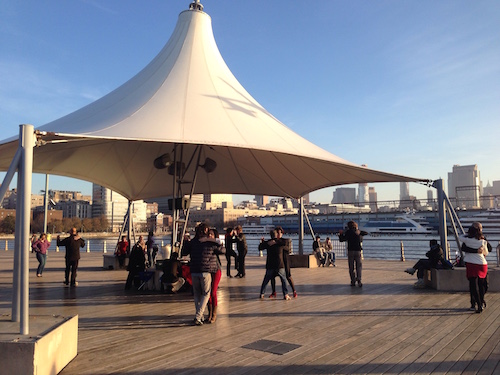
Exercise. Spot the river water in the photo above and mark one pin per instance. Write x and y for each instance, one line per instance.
(374, 247)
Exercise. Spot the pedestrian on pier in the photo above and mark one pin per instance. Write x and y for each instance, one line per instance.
(40, 247)
(73, 243)
(354, 238)
(228, 244)
(274, 263)
(475, 248)
(241, 246)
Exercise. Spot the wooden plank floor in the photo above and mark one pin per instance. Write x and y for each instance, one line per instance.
(385, 327)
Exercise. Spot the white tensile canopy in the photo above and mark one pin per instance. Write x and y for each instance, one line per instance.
(187, 99)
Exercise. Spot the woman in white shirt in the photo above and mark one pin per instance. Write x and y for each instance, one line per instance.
(475, 249)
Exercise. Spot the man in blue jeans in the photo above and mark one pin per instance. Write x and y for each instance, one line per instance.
(274, 262)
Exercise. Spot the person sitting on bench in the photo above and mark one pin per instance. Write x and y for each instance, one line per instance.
(171, 279)
(435, 259)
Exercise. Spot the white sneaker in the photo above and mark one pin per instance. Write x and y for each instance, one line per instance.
(411, 271)
(420, 284)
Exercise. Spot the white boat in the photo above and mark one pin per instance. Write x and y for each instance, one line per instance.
(403, 224)
(254, 229)
(490, 220)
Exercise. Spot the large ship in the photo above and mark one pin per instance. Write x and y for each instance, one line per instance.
(489, 219)
(401, 224)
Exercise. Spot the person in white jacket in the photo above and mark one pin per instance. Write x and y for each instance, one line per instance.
(475, 249)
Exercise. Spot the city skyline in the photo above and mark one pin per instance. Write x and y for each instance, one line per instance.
(400, 87)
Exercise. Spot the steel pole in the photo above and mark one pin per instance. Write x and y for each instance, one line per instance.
(301, 226)
(26, 171)
(46, 203)
(438, 184)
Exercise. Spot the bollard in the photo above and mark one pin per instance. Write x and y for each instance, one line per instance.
(104, 247)
(88, 246)
(57, 249)
(261, 254)
(402, 252)
(6, 245)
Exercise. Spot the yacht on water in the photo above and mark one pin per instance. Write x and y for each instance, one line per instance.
(401, 224)
(257, 229)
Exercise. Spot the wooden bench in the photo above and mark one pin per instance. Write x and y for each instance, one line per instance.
(110, 262)
(456, 281)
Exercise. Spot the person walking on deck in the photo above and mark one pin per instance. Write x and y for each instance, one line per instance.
(40, 247)
(73, 243)
(354, 238)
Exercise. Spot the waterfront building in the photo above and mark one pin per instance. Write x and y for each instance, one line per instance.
(216, 200)
(262, 200)
(363, 197)
(344, 195)
(113, 206)
(64, 195)
(464, 186)
(79, 209)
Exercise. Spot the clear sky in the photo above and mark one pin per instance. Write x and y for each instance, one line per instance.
(408, 87)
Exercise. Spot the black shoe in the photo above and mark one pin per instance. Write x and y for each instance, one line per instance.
(360, 284)
(479, 310)
(230, 276)
(353, 283)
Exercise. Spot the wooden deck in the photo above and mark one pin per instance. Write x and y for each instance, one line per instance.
(385, 327)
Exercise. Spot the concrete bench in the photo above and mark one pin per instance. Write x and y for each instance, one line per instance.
(303, 261)
(456, 281)
(110, 262)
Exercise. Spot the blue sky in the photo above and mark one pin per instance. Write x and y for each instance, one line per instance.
(408, 87)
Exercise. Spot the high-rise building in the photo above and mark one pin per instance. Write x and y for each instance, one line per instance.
(262, 200)
(106, 202)
(344, 195)
(464, 185)
(404, 190)
(373, 199)
(363, 196)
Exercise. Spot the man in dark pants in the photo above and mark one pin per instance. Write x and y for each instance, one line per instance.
(228, 243)
(354, 238)
(73, 243)
(241, 246)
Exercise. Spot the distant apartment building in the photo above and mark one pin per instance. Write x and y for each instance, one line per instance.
(464, 186)
(212, 201)
(114, 206)
(344, 195)
(63, 195)
(79, 209)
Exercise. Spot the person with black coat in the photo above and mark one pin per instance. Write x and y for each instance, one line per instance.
(354, 238)
(73, 243)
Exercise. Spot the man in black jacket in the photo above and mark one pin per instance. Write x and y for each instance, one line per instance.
(73, 243)
(354, 238)
(274, 263)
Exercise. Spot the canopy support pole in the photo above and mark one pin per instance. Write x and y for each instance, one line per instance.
(20, 298)
(438, 184)
(46, 203)
(301, 226)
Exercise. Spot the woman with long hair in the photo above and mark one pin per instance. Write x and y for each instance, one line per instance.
(475, 249)
(40, 246)
(213, 235)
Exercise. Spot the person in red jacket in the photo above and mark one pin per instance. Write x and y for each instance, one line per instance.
(122, 251)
